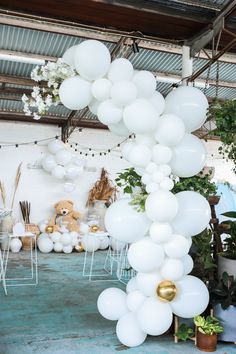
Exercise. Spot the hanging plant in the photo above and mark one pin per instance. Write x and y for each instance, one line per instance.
(224, 116)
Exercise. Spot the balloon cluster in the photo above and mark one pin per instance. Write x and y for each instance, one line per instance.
(160, 238)
(61, 163)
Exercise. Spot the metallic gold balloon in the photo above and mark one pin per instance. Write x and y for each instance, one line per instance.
(166, 290)
(79, 248)
(49, 229)
(94, 228)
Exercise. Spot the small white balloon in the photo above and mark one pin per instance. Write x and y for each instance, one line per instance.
(120, 69)
(59, 172)
(188, 264)
(145, 139)
(58, 247)
(148, 282)
(165, 169)
(161, 206)
(67, 249)
(69, 187)
(68, 56)
(160, 232)
(73, 171)
(171, 130)
(177, 247)
(167, 184)
(145, 255)
(157, 176)
(101, 89)
(117, 245)
(65, 239)
(109, 113)
(104, 242)
(131, 285)
(119, 129)
(128, 332)
(93, 106)
(90, 243)
(123, 92)
(84, 228)
(42, 226)
(74, 239)
(15, 245)
(56, 236)
(134, 300)
(145, 82)
(161, 154)
(172, 269)
(158, 101)
(49, 163)
(111, 304)
(55, 145)
(140, 155)
(75, 93)
(151, 167)
(148, 314)
(146, 178)
(63, 157)
(45, 245)
(152, 187)
(92, 59)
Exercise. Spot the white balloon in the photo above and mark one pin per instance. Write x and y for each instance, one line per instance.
(188, 103)
(65, 239)
(83, 228)
(90, 243)
(161, 206)
(92, 59)
(45, 245)
(67, 249)
(161, 154)
(193, 215)
(140, 116)
(104, 242)
(109, 113)
(55, 145)
(134, 300)
(145, 82)
(101, 89)
(146, 178)
(167, 184)
(63, 157)
(177, 247)
(55, 236)
(42, 237)
(165, 169)
(192, 297)
(111, 304)
(120, 69)
(69, 55)
(73, 171)
(59, 172)
(58, 247)
(152, 187)
(93, 106)
(124, 223)
(158, 101)
(154, 317)
(148, 283)
(160, 232)
(172, 269)
(189, 157)
(140, 155)
(171, 130)
(75, 93)
(42, 226)
(145, 139)
(188, 264)
(74, 239)
(119, 129)
(127, 148)
(145, 255)
(117, 245)
(140, 171)
(128, 332)
(69, 187)
(131, 285)
(151, 167)
(15, 245)
(49, 163)
(157, 176)
(123, 92)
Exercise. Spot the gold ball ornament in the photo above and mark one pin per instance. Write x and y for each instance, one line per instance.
(49, 229)
(79, 248)
(94, 228)
(166, 291)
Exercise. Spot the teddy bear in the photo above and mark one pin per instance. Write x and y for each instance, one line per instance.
(65, 216)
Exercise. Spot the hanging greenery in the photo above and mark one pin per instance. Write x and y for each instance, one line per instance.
(199, 184)
(224, 116)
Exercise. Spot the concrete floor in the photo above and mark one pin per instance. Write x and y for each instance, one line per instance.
(59, 316)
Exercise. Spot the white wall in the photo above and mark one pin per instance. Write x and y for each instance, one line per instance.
(36, 185)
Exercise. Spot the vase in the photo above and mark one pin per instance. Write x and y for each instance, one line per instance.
(206, 342)
(227, 320)
(6, 228)
(226, 265)
(100, 208)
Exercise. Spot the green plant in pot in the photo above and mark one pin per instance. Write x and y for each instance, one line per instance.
(223, 300)
(184, 332)
(206, 334)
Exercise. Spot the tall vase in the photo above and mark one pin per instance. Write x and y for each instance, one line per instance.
(6, 228)
(100, 207)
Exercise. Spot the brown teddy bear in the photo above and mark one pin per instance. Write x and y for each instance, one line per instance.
(65, 216)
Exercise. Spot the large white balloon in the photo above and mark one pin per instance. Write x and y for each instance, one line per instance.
(75, 93)
(192, 297)
(116, 245)
(55, 145)
(140, 116)
(93, 106)
(123, 92)
(63, 157)
(170, 131)
(69, 56)
(145, 139)
(161, 206)
(58, 247)
(145, 255)
(154, 317)
(66, 239)
(134, 300)
(111, 304)
(92, 59)
(120, 69)
(148, 282)
(161, 154)
(177, 247)
(140, 155)
(188, 103)
(101, 89)
(109, 113)
(193, 215)
(189, 157)
(160, 232)
(127, 148)
(145, 82)
(124, 223)
(172, 269)
(49, 163)
(45, 245)
(119, 129)
(158, 101)
(128, 332)
(90, 243)
(58, 172)
(131, 285)
(67, 249)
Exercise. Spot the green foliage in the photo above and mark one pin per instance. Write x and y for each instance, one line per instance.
(223, 292)
(138, 201)
(224, 115)
(198, 184)
(209, 325)
(201, 252)
(229, 243)
(184, 332)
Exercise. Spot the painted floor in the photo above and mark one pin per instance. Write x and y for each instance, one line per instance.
(59, 316)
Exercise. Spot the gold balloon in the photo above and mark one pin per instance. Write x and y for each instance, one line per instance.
(94, 228)
(166, 290)
(79, 248)
(49, 229)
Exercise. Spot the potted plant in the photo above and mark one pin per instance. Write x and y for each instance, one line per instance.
(184, 332)
(206, 332)
(223, 299)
